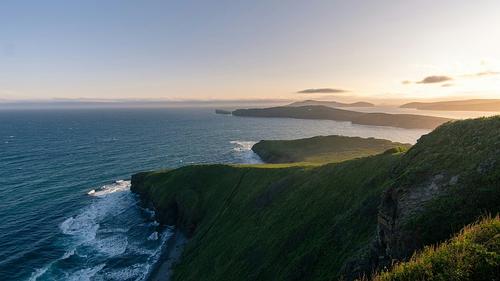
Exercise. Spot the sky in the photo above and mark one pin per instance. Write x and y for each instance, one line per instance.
(230, 50)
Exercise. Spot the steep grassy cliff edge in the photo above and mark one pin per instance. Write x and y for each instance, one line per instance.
(323, 149)
(325, 222)
(473, 254)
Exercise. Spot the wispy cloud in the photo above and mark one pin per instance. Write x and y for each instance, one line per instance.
(322, 91)
(435, 79)
(484, 73)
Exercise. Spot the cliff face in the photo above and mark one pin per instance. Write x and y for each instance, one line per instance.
(330, 221)
(445, 181)
(323, 149)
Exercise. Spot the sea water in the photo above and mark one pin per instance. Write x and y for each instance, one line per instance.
(66, 210)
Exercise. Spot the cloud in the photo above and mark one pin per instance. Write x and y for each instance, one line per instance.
(322, 91)
(486, 73)
(435, 79)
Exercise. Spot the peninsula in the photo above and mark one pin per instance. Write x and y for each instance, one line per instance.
(331, 103)
(320, 112)
(461, 105)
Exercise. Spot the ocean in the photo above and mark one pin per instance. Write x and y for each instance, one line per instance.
(66, 210)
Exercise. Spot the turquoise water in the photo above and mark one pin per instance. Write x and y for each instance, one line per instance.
(66, 211)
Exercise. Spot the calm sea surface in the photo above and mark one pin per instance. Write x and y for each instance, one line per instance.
(66, 211)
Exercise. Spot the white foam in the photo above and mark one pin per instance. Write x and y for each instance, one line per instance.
(242, 145)
(68, 254)
(39, 272)
(243, 149)
(84, 226)
(97, 232)
(130, 272)
(153, 236)
(112, 246)
(86, 273)
(118, 186)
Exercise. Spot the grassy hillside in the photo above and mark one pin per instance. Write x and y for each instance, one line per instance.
(322, 149)
(461, 105)
(473, 254)
(251, 223)
(327, 113)
(323, 222)
(444, 182)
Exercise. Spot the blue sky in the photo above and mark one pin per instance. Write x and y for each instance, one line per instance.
(247, 49)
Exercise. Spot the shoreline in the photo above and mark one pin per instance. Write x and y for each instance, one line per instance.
(170, 256)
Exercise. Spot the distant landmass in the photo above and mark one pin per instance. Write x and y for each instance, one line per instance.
(332, 103)
(221, 111)
(323, 149)
(408, 121)
(460, 105)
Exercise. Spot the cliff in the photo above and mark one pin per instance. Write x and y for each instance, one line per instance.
(444, 182)
(320, 112)
(324, 222)
(473, 254)
(322, 149)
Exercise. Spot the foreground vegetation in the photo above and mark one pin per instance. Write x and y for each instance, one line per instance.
(473, 254)
(325, 222)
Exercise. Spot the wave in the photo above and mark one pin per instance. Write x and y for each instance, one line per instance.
(242, 145)
(112, 226)
(244, 152)
(117, 186)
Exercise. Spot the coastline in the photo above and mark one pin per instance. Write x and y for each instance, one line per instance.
(169, 257)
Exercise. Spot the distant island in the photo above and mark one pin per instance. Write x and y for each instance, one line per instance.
(319, 112)
(221, 111)
(460, 105)
(331, 103)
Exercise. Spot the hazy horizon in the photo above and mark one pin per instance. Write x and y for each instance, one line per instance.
(388, 52)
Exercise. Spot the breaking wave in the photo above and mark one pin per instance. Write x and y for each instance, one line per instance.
(242, 150)
(110, 239)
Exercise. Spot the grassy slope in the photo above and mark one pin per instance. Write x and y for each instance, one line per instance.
(297, 223)
(304, 222)
(473, 254)
(468, 149)
(322, 149)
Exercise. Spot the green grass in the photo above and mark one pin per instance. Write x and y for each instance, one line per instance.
(323, 149)
(473, 254)
(251, 223)
(308, 221)
(468, 150)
